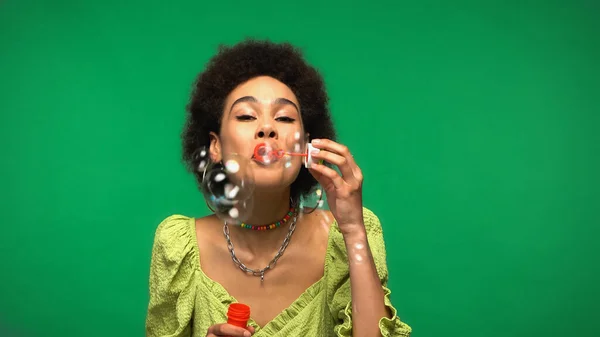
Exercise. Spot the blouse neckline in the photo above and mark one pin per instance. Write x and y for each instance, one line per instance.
(286, 314)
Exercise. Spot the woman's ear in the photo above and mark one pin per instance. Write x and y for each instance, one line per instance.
(215, 147)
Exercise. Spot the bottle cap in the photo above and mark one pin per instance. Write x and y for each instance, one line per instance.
(238, 315)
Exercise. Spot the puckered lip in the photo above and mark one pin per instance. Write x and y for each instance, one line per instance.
(267, 158)
(261, 161)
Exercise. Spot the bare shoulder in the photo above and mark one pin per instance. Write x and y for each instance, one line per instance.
(315, 226)
(206, 221)
(207, 230)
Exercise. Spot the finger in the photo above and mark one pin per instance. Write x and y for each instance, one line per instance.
(337, 160)
(318, 176)
(228, 330)
(328, 174)
(326, 183)
(330, 145)
(250, 328)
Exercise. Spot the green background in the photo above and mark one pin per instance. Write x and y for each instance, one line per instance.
(475, 125)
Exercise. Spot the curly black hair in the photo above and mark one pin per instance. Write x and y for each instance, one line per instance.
(234, 65)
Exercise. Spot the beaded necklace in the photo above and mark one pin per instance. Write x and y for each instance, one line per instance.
(274, 225)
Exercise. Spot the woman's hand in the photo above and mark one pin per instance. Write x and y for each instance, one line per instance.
(344, 192)
(229, 331)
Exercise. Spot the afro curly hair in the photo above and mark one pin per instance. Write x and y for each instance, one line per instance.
(234, 65)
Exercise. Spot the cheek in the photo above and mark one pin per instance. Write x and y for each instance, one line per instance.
(237, 139)
(243, 130)
(293, 167)
(294, 140)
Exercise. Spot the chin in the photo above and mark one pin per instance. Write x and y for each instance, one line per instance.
(274, 179)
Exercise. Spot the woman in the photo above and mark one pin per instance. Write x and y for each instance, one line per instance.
(331, 276)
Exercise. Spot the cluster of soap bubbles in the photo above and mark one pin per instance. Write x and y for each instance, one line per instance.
(315, 198)
(228, 185)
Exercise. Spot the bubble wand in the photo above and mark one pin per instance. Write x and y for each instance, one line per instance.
(264, 153)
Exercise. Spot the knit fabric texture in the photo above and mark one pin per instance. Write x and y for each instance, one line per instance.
(186, 302)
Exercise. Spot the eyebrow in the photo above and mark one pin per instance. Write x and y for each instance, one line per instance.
(252, 99)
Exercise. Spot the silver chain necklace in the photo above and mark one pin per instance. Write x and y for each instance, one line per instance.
(271, 265)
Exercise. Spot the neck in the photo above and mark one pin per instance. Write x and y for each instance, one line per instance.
(269, 207)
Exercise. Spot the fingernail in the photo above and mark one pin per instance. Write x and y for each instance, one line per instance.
(247, 333)
(315, 151)
(316, 141)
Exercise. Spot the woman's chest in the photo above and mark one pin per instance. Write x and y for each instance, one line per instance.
(281, 287)
(301, 267)
(308, 317)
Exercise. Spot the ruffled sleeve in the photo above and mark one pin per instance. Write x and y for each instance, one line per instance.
(338, 283)
(172, 283)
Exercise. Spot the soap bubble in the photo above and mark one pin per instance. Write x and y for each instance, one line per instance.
(313, 205)
(201, 159)
(313, 200)
(295, 148)
(295, 143)
(272, 152)
(267, 153)
(227, 187)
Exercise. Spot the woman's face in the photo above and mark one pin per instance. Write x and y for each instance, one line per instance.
(261, 110)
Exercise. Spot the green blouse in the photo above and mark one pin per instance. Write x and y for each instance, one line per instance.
(185, 302)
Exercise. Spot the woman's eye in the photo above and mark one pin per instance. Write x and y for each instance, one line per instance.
(245, 118)
(285, 119)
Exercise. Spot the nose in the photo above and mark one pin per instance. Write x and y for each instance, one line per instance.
(266, 131)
